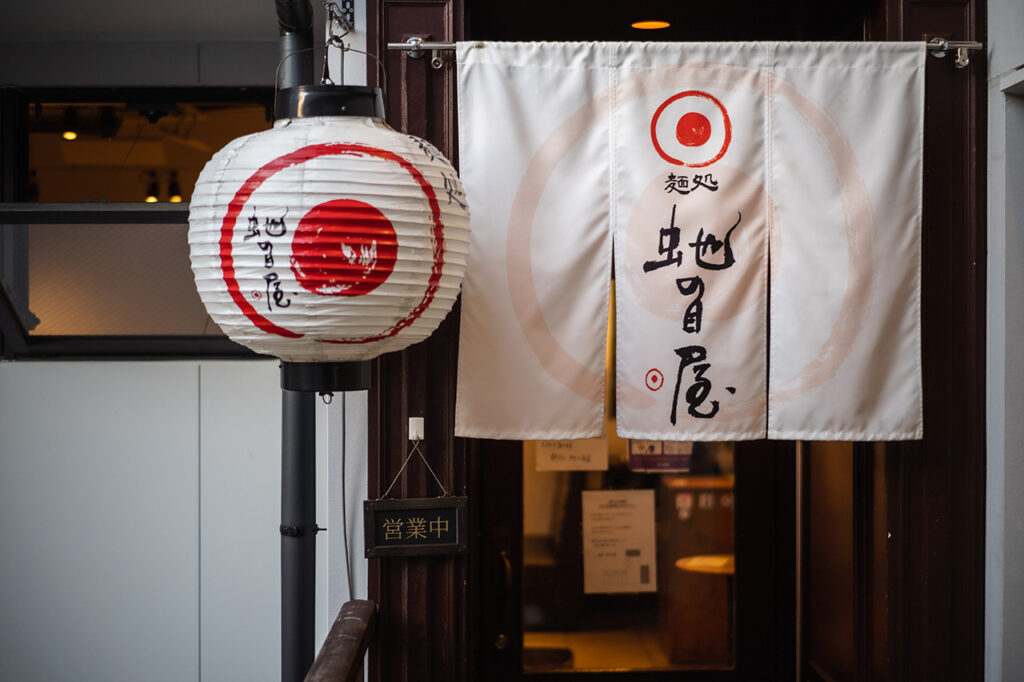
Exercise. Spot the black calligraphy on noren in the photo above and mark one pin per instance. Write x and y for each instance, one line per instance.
(697, 393)
(668, 246)
(709, 243)
(681, 184)
(692, 286)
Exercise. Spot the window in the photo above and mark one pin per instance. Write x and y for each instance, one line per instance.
(93, 249)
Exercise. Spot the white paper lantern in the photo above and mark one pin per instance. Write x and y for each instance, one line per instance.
(329, 238)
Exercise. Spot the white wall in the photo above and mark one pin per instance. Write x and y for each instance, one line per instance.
(139, 514)
(99, 515)
(1004, 599)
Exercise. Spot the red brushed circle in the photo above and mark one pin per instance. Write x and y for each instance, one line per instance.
(693, 129)
(343, 247)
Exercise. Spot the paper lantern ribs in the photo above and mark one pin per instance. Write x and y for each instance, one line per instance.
(328, 239)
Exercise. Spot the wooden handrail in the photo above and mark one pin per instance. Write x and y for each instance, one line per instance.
(341, 657)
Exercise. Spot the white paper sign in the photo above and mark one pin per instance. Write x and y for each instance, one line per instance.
(590, 454)
(618, 541)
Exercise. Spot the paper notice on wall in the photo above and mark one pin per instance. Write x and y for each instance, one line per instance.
(588, 454)
(618, 541)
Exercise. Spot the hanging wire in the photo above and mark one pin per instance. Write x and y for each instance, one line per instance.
(346, 48)
(335, 17)
(344, 502)
(113, 178)
(416, 451)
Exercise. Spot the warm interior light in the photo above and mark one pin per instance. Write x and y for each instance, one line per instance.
(152, 190)
(69, 124)
(650, 24)
(174, 189)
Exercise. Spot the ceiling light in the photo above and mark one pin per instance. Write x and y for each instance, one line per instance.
(174, 189)
(69, 124)
(650, 24)
(153, 190)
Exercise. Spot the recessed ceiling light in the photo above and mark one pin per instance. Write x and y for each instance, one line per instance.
(650, 24)
(69, 127)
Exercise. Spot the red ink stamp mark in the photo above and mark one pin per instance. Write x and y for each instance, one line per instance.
(654, 379)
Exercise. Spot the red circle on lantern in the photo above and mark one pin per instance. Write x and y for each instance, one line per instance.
(242, 196)
(693, 129)
(343, 248)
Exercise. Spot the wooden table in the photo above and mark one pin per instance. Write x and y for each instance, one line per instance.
(715, 564)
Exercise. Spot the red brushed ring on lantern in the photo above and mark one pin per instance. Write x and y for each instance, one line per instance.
(302, 155)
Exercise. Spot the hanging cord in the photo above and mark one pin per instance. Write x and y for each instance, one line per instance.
(335, 18)
(113, 178)
(416, 451)
(346, 48)
(344, 503)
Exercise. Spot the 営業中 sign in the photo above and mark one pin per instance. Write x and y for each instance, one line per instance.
(415, 527)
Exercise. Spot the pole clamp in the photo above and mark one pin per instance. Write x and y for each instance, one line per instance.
(300, 531)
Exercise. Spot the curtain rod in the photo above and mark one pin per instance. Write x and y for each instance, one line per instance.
(938, 47)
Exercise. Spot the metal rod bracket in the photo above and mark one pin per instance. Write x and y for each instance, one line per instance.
(940, 47)
(415, 47)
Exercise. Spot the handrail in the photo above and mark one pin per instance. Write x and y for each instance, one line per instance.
(341, 657)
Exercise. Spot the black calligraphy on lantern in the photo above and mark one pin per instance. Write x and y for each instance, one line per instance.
(253, 229)
(692, 286)
(275, 227)
(275, 297)
(267, 230)
(268, 253)
(708, 244)
(668, 246)
(428, 149)
(456, 195)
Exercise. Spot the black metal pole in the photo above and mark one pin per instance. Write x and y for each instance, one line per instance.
(298, 419)
(300, 384)
(295, 21)
(298, 533)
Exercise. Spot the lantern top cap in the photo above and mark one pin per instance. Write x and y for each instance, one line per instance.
(306, 101)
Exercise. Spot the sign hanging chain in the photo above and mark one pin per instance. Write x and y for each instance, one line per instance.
(416, 451)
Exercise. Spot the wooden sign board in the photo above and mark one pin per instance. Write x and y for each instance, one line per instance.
(415, 527)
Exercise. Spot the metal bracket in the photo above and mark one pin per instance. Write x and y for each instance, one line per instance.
(415, 47)
(300, 531)
(348, 13)
(343, 12)
(939, 47)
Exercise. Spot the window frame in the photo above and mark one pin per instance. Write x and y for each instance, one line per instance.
(16, 343)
